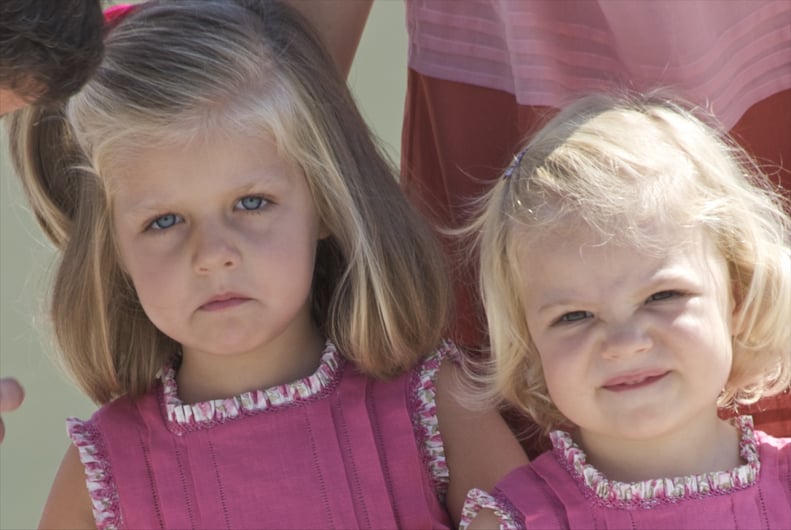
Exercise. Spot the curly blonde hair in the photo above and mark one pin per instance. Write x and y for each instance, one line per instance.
(617, 163)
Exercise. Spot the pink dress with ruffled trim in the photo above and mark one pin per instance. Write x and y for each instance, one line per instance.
(561, 490)
(334, 450)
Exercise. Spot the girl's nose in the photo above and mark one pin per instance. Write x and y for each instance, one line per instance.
(625, 339)
(214, 249)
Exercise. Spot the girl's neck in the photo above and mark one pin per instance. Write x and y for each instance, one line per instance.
(203, 377)
(707, 445)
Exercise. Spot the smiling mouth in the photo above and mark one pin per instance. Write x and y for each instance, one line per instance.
(224, 302)
(625, 383)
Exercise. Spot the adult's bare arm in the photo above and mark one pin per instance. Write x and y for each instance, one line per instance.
(340, 25)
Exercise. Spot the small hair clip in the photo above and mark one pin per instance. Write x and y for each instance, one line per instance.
(515, 164)
(114, 14)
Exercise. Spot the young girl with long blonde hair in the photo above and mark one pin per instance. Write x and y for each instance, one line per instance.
(244, 290)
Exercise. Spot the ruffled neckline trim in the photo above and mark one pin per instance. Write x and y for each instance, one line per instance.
(207, 413)
(663, 490)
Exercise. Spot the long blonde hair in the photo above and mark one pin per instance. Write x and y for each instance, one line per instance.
(174, 71)
(615, 164)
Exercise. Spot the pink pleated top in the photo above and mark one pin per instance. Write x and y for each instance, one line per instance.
(560, 489)
(725, 55)
(334, 450)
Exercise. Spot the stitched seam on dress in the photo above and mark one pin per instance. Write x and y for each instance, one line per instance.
(733, 509)
(322, 483)
(594, 515)
(225, 514)
(516, 515)
(764, 513)
(351, 468)
(151, 480)
(380, 444)
(187, 498)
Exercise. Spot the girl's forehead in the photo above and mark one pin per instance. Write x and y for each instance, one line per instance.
(127, 153)
(229, 160)
(585, 264)
(575, 236)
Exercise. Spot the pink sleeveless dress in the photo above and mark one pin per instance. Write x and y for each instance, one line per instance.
(560, 490)
(334, 450)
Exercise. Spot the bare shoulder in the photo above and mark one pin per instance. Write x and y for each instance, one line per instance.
(68, 504)
(480, 449)
(339, 24)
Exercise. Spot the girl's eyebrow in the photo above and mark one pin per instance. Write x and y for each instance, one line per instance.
(661, 275)
(141, 212)
(669, 274)
(140, 206)
(559, 302)
(250, 182)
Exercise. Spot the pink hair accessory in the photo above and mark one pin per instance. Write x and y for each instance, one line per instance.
(114, 14)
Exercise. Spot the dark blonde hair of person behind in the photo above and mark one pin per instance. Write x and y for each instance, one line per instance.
(379, 288)
(48, 48)
(618, 164)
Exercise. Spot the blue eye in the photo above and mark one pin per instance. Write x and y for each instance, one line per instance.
(165, 221)
(662, 295)
(251, 203)
(574, 316)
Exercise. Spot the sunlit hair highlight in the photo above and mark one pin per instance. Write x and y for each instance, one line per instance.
(178, 72)
(620, 165)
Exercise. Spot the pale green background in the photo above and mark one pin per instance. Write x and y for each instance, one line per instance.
(36, 436)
